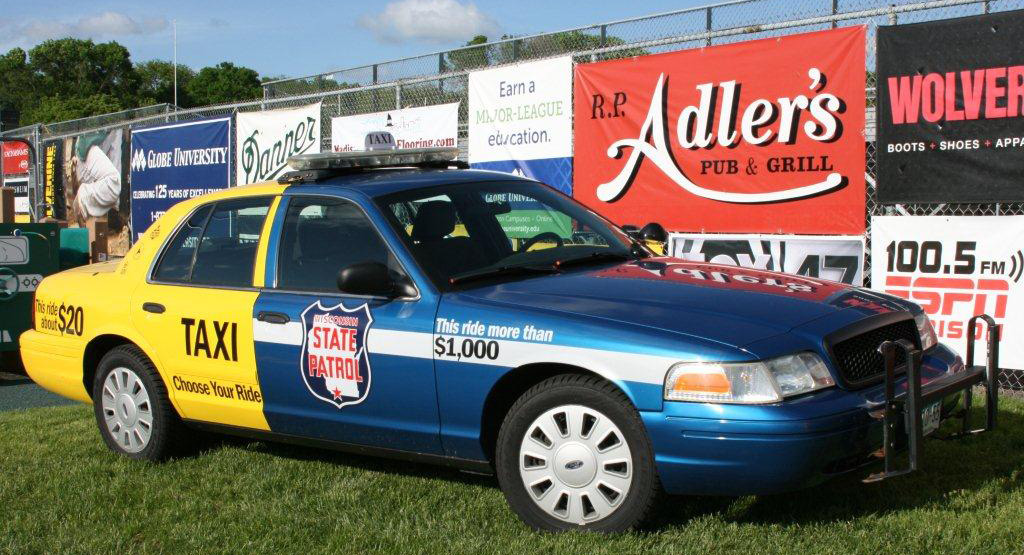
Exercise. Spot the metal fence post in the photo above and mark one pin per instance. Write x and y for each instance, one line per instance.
(604, 35)
(835, 10)
(892, 14)
(707, 24)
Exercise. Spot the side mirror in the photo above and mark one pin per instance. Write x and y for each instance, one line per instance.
(372, 278)
(654, 232)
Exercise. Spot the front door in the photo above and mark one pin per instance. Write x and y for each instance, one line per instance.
(337, 367)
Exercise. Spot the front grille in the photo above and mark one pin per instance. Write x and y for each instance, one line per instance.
(857, 358)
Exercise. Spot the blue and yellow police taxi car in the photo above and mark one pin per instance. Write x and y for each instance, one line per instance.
(396, 303)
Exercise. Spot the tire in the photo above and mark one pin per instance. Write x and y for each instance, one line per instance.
(573, 454)
(133, 411)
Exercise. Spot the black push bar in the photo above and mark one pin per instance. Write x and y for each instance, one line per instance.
(906, 406)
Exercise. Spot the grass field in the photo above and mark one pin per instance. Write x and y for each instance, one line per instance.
(62, 491)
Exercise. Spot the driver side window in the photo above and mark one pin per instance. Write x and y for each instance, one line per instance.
(321, 236)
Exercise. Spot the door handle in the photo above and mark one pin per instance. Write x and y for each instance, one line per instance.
(155, 308)
(272, 317)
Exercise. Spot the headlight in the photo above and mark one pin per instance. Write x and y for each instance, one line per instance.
(767, 381)
(924, 327)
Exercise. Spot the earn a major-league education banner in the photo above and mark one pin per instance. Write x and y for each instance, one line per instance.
(835, 258)
(267, 139)
(520, 121)
(956, 267)
(951, 110)
(762, 136)
(172, 163)
(421, 127)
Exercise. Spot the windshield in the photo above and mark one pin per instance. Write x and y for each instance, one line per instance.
(500, 231)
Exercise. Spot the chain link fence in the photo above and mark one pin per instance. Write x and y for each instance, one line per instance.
(442, 77)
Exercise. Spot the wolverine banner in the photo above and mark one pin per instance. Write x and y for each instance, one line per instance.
(950, 106)
(758, 136)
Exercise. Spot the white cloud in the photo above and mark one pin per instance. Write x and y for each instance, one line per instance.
(101, 26)
(438, 21)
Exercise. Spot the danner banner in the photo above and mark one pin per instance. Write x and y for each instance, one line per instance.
(951, 110)
(267, 139)
(758, 136)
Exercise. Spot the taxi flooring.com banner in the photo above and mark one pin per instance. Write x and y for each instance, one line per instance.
(763, 136)
(956, 267)
(421, 127)
(520, 121)
(950, 107)
(172, 163)
(836, 258)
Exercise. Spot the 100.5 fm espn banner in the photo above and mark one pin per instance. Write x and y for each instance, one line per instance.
(172, 163)
(757, 136)
(836, 258)
(950, 107)
(956, 267)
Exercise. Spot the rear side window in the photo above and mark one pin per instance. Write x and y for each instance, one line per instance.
(217, 246)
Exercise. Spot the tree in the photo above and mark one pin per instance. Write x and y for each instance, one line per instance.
(156, 83)
(468, 58)
(49, 109)
(222, 83)
(76, 68)
(17, 85)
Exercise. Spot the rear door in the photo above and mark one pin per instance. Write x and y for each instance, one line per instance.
(195, 308)
(353, 369)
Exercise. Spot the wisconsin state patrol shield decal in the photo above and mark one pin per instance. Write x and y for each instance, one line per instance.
(335, 363)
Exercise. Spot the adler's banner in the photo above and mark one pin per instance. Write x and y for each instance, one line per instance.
(172, 163)
(760, 136)
(422, 127)
(951, 110)
(265, 140)
(520, 121)
(835, 258)
(956, 267)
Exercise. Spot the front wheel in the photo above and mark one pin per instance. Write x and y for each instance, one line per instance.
(572, 453)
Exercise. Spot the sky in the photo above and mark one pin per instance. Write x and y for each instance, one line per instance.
(300, 37)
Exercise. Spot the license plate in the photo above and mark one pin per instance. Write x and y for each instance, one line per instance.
(930, 417)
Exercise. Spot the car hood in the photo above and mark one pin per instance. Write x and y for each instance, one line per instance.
(724, 304)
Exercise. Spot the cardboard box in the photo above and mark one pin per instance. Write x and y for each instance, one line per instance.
(7, 205)
(98, 239)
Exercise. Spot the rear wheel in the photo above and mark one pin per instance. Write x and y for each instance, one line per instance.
(573, 454)
(133, 412)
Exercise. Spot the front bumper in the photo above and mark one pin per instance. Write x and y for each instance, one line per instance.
(715, 449)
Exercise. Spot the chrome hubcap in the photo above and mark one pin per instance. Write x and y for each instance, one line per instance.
(127, 410)
(575, 463)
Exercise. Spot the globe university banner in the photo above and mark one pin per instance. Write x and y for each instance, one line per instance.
(171, 163)
(520, 121)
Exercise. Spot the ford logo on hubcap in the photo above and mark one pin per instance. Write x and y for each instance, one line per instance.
(573, 465)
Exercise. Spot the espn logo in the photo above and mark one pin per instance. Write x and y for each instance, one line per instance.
(942, 296)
